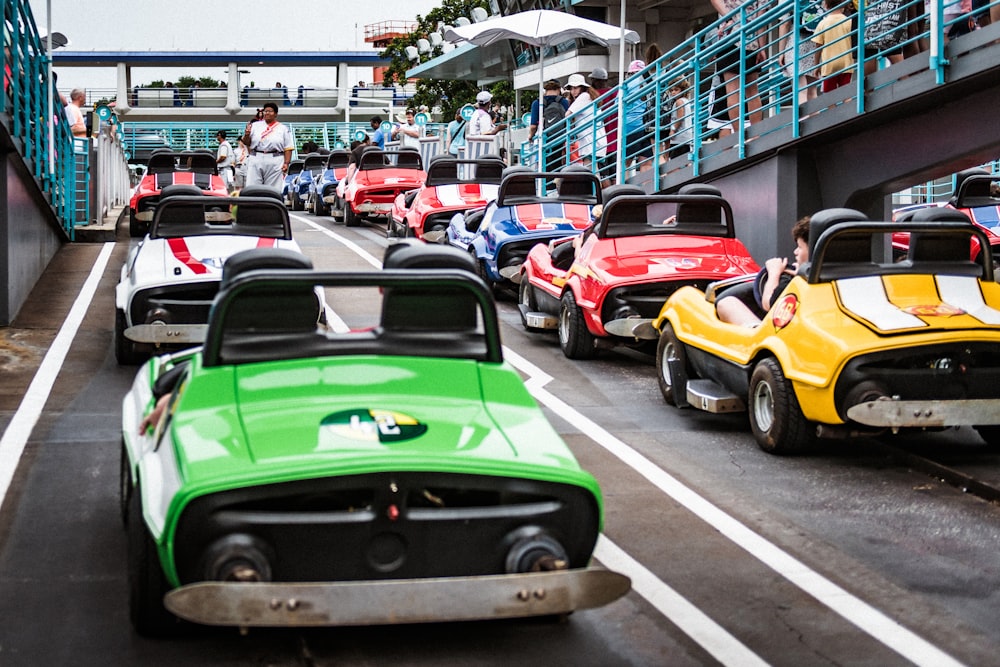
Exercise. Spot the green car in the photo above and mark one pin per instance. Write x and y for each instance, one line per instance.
(386, 466)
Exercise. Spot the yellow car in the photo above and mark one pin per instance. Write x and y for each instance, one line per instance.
(855, 345)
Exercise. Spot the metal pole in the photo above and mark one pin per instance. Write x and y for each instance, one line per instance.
(620, 176)
(48, 84)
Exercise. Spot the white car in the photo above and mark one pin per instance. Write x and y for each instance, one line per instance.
(171, 277)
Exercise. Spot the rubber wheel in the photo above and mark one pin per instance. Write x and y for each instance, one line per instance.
(526, 301)
(776, 419)
(320, 207)
(297, 203)
(124, 484)
(350, 218)
(574, 338)
(136, 228)
(668, 346)
(146, 582)
(125, 350)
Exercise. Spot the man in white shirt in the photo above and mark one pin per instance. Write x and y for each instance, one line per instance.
(271, 147)
(408, 135)
(74, 113)
(481, 123)
(224, 160)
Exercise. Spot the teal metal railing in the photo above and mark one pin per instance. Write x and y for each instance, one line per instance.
(25, 110)
(144, 136)
(759, 44)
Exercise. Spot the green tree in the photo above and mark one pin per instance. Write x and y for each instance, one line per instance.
(450, 94)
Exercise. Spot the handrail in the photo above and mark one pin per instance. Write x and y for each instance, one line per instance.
(763, 87)
(24, 107)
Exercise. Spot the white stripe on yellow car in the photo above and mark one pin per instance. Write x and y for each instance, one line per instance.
(894, 303)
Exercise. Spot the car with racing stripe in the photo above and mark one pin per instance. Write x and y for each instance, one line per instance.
(169, 279)
(452, 186)
(975, 198)
(530, 208)
(302, 183)
(639, 251)
(323, 190)
(380, 177)
(856, 345)
(391, 469)
(288, 190)
(165, 168)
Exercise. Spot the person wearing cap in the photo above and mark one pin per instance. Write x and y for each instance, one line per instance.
(408, 134)
(378, 138)
(553, 95)
(599, 82)
(582, 111)
(481, 124)
(637, 144)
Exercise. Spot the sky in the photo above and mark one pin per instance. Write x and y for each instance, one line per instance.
(218, 25)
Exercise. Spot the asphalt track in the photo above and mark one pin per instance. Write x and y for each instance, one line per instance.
(845, 556)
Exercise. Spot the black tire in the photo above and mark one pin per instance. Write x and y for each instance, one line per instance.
(337, 209)
(669, 346)
(526, 301)
(350, 218)
(136, 228)
(575, 339)
(320, 207)
(776, 419)
(147, 583)
(124, 484)
(126, 353)
(297, 203)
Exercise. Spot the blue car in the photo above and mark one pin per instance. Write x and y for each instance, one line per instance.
(298, 190)
(323, 189)
(500, 236)
(294, 169)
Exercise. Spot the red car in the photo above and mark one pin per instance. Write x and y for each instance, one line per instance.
(452, 186)
(972, 200)
(167, 167)
(380, 177)
(639, 252)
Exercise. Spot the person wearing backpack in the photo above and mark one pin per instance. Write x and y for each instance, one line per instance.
(456, 133)
(551, 110)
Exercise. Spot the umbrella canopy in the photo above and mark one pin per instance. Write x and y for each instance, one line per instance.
(541, 27)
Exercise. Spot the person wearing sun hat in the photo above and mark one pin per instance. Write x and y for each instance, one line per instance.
(637, 144)
(481, 124)
(582, 110)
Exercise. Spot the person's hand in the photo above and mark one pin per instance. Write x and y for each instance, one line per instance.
(775, 266)
(152, 418)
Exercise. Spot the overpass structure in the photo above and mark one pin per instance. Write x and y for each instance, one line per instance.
(303, 103)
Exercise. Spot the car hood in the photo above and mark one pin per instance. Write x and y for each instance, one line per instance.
(192, 257)
(459, 196)
(907, 304)
(349, 415)
(545, 217)
(668, 257)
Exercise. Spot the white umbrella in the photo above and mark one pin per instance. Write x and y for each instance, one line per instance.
(542, 28)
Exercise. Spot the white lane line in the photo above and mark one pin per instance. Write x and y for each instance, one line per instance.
(351, 245)
(855, 611)
(689, 619)
(16, 435)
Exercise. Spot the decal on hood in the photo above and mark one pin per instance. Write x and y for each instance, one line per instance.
(373, 425)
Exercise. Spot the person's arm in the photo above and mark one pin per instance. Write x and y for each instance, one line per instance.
(246, 135)
(288, 159)
(775, 267)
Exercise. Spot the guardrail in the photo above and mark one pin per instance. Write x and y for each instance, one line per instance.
(757, 48)
(33, 113)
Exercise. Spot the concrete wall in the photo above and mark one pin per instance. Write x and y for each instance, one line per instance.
(29, 235)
